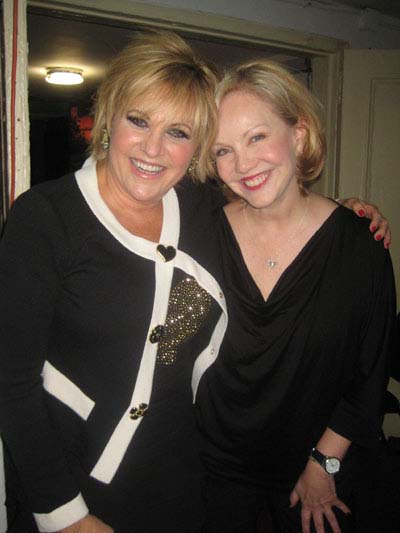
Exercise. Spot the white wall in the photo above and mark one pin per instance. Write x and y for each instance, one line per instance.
(361, 29)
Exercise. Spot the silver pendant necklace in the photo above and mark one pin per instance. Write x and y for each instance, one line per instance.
(272, 262)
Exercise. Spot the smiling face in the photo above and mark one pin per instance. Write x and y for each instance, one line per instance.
(255, 150)
(150, 150)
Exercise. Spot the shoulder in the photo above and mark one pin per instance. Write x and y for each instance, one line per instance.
(205, 197)
(54, 209)
(359, 242)
(58, 200)
(43, 196)
(354, 225)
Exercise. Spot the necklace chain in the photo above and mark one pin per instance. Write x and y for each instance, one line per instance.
(272, 262)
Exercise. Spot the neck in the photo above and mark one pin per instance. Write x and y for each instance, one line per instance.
(141, 219)
(281, 215)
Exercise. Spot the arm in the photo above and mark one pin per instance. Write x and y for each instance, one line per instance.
(89, 524)
(29, 283)
(379, 225)
(358, 414)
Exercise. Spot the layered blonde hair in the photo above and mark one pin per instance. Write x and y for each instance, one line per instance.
(290, 100)
(161, 67)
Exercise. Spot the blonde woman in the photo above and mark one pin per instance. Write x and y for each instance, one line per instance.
(109, 296)
(294, 401)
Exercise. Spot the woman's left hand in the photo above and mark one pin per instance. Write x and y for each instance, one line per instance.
(317, 492)
(379, 225)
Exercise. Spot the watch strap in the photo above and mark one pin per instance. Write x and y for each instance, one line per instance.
(318, 456)
(330, 464)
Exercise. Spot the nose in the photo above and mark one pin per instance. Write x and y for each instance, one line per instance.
(243, 162)
(153, 143)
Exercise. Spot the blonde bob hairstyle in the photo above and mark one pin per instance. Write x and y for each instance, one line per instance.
(290, 100)
(162, 68)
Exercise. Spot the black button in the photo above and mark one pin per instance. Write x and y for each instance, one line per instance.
(137, 412)
(156, 334)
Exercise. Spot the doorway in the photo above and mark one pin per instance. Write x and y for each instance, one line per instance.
(231, 36)
(60, 116)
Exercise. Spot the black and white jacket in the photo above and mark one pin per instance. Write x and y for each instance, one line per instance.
(85, 307)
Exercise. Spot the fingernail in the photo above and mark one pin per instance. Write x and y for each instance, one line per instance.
(373, 228)
(387, 244)
(361, 212)
(378, 237)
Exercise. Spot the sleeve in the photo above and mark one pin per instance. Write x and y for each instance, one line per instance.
(358, 416)
(31, 253)
(395, 364)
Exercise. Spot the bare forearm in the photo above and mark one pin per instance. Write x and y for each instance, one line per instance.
(88, 524)
(333, 444)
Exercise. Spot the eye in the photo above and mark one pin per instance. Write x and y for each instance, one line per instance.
(137, 121)
(221, 152)
(258, 137)
(178, 133)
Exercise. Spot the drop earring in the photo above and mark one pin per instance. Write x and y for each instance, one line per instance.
(191, 170)
(105, 139)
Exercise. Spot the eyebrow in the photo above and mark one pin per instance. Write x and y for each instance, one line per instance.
(139, 112)
(181, 125)
(145, 115)
(247, 132)
(262, 125)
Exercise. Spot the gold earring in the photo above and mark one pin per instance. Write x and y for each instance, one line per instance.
(105, 139)
(191, 170)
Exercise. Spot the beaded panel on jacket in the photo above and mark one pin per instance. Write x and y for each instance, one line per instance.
(188, 307)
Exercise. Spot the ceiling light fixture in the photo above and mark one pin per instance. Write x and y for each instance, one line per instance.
(64, 76)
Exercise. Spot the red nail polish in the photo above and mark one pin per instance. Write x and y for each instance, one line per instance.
(361, 212)
(387, 244)
(378, 237)
(373, 229)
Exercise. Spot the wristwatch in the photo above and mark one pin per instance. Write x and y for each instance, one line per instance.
(331, 465)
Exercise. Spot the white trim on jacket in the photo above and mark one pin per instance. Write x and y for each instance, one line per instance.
(112, 455)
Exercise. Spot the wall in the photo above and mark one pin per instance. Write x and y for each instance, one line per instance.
(361, 29)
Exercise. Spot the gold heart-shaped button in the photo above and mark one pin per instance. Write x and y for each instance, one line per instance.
(166, 252)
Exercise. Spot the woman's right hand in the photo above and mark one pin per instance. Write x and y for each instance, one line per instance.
(89, 524)
(316, 491)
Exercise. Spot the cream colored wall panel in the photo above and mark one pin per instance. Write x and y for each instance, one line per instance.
(370, 148)
(370, 135)
(383, 163)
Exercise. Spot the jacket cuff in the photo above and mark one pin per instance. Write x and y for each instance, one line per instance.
(63, 516)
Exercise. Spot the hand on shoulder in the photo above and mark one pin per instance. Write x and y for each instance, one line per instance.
(379, 225)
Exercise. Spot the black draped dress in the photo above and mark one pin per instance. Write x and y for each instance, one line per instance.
(314, 355)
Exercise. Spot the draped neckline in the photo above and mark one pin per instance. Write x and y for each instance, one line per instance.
(289, 271)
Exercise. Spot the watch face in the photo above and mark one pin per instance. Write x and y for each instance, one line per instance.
(332, 465)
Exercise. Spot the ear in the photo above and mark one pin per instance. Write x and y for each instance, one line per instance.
(300, 135)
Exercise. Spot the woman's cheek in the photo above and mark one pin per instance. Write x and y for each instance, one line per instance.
(222, 169)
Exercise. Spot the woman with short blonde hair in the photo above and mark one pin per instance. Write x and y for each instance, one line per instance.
(291, 100)
(110, 281)
(163, 67)
(293, 405)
